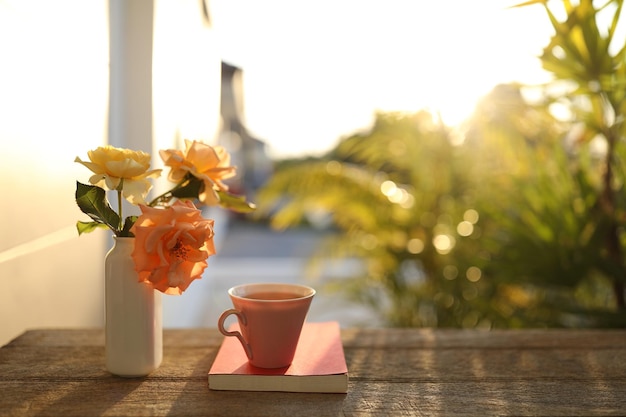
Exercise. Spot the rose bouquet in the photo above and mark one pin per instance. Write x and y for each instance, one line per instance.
(172, 239)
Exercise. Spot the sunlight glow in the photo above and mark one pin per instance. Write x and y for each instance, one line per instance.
(53, 83)
(473, 274)
(415, 246)
(444, 243)
(396, 195)
(388, 188)
(471, 216)
(333, 167)
(465, 228)
(442, 56)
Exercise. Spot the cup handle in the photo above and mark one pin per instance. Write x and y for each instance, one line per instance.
(242, 319)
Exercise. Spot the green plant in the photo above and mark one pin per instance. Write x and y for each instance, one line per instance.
(521, 225)
(392, 192)
(587, 57)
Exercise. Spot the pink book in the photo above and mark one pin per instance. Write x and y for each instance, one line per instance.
(319, 365)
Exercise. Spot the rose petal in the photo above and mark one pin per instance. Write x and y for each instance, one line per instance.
(172, 245)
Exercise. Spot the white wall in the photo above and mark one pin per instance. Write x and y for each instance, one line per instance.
(54, 82)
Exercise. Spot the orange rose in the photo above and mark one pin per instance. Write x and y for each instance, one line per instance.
(172, 246)
(211, 164)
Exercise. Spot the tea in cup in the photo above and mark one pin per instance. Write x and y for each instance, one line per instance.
(270, 317)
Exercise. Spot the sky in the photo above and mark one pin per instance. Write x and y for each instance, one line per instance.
(315, 71)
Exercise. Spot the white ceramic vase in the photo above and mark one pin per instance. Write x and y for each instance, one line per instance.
(134, 325)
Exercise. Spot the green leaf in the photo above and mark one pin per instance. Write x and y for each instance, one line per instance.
(92, 201)
(235, 202)
(190, 190)
(88, 227)
(128, 223)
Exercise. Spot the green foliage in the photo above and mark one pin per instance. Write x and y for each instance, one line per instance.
(521, 225)
(392, 192)
(191, 187)
(548, 233)
(93, 202)
(88, 227)
(594, 62)
(188, 189)
(236, 203)
(128, 224)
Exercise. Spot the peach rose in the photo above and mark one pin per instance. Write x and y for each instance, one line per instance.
(172, 246)
(211, 164)
(114, 167)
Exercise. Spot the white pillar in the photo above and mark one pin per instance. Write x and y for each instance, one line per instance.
(130, 88)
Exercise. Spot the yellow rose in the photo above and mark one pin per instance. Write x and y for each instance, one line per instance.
(114, 167)
(210, 164)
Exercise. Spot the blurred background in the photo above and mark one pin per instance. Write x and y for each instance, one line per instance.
(434, 164)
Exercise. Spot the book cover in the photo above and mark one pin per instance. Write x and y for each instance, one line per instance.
(319, 365)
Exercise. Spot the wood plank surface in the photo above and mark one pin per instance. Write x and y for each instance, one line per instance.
(397, 372)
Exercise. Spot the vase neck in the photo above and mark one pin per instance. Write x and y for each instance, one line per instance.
(123, 243)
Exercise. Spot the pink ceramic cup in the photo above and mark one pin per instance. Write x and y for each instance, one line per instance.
(270, 317)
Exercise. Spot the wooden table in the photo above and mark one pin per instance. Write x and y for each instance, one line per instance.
(393, 372)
